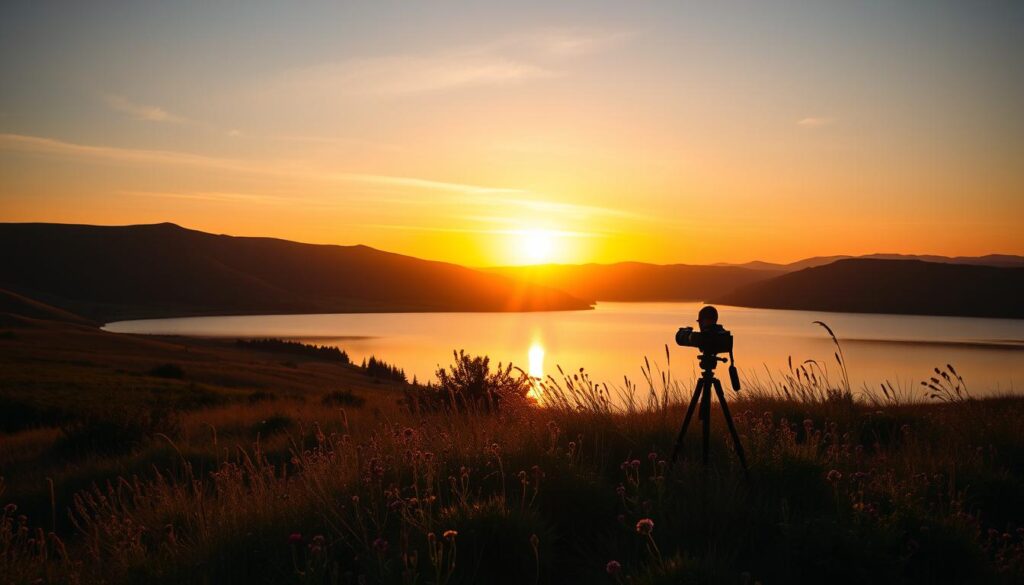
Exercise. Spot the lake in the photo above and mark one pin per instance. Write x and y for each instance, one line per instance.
(612, 341)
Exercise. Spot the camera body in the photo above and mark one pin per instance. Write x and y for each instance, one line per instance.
(712, 339)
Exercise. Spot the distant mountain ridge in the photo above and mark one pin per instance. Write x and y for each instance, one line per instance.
(911, 287)
(162, 270)
(637, 281)
(996, 260)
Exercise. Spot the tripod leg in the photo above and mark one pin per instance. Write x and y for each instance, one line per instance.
(686, 421)
(705, 413)
(732, 427)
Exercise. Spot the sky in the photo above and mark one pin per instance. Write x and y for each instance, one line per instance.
(517, 132)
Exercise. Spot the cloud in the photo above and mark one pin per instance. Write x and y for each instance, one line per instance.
(815, 122)
(53, 147)
(410, 74)
(217, 196)
(514, 59)
(140, 111)
(571, 42)
(477, 202)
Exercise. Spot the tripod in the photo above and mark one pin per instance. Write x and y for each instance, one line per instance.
(702, 392)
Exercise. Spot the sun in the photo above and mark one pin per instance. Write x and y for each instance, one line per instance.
(536, 246)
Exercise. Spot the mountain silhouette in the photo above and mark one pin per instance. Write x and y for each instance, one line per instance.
(161, 270)
(910, 287)
(637, 281)
(998, 260)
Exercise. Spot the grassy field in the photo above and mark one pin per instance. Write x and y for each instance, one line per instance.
(130, 459)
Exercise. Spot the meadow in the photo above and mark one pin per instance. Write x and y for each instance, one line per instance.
(239, 464)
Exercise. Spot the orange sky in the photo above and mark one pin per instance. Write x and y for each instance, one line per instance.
(659, 133)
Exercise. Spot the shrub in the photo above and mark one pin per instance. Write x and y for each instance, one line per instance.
(273, 425)
(342, 398)
(170, 371)
(469, 384)
(112, 434)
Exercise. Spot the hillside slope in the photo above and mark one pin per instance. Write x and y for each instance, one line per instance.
(159, 270)
(637, 281)
(891, 286)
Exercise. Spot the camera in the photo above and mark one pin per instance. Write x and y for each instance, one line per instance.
(711, 339)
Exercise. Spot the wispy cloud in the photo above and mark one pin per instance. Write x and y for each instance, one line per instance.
(815, 122)
(212, 196)
(510, 60)
(427, 228)
(53, 147)
(466, 201)
(410, 74)
(141, 111)
(571, 42)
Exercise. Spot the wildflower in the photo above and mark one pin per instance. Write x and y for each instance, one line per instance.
(834, 476)
(380, 545)
(450, 535)
(635, 464)
(645, 526)
(295, 538)
(613, 567)
(652, 456)
(621, 490)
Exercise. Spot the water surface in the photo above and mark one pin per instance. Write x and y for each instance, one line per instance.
(612, 341)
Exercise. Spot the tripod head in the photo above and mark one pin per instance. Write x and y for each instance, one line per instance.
(711, 340)
(708, 362)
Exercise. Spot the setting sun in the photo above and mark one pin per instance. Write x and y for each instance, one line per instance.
(536, 246)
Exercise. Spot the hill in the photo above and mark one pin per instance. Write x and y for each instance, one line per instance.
(636, 281)
(997, 260)
(108, 273)
(15, 307)
(890, 286)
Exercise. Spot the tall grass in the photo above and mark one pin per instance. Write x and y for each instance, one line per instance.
(575, 489)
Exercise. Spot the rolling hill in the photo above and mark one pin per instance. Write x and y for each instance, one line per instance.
(161, 270)
(637, 281)
(997, 260)
(910, 287)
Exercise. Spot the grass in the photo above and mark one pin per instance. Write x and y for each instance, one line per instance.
(345, 483)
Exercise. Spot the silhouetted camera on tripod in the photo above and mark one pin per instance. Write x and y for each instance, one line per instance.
(711, 340)
(714, 340)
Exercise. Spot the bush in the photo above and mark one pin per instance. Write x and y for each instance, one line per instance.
(170, 371)
(113, 434)
(342, 398)
(469, 384)
(273, 425)
(16, 415)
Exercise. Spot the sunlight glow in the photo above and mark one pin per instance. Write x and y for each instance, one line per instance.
(536, 246)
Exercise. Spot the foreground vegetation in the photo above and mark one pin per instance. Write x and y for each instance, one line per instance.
(469, 481)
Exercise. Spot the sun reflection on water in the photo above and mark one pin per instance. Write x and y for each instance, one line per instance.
(535, 359)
